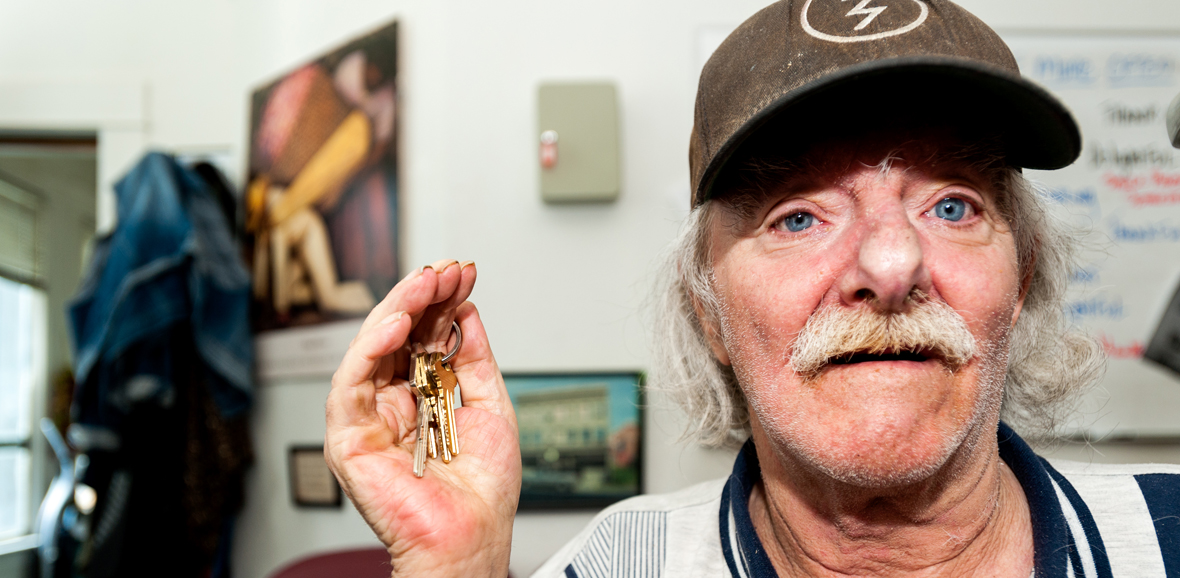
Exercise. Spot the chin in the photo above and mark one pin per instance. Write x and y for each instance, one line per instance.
(872, 464)
(876, 438)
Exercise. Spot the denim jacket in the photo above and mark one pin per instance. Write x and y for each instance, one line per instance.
(170, 267)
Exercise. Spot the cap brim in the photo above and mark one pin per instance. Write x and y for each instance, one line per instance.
(1035, 129)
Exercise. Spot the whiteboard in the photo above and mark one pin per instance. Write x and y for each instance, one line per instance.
(1125, 189)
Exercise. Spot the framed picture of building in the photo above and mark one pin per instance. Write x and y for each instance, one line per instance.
(581, 438)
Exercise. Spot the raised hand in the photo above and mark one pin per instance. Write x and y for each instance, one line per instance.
(457, 520)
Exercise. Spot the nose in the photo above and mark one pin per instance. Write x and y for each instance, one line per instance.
(889, 263)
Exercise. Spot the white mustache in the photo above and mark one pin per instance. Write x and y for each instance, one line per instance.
(929, 328)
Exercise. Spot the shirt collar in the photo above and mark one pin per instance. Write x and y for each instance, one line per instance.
(747, 558)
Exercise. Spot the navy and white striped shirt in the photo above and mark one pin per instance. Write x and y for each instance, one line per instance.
(1089, 520)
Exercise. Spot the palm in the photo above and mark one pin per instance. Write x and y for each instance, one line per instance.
(433, 512)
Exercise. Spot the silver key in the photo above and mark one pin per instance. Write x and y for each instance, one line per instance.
(420, 447)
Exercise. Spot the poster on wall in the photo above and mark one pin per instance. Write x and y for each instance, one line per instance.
(1125, 191)
(580, 438)
(321, 199)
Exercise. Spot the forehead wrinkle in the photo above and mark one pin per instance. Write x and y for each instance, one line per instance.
(943, 153)
(939, 167)
(940, 154)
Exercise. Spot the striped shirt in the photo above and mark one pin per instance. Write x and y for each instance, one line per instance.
(1089, 520)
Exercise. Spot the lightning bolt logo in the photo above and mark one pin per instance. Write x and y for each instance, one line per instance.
(869, 14)
(862, 9)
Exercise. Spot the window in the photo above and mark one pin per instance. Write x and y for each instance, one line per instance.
(21, 310)
(46, 211)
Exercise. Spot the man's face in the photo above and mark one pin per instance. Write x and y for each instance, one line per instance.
(844, 233)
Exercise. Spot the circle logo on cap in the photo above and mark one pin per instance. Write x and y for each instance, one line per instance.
(843, 21)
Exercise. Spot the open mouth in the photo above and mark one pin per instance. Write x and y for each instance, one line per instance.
(862, 357)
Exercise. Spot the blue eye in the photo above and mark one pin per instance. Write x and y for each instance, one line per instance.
(797, 222)
(951, 209)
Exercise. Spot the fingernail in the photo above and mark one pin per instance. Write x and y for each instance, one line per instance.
(423, 269)
(393, 317)
(444, 265)
(466, 264)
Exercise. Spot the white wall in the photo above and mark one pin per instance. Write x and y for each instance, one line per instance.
(560, 287)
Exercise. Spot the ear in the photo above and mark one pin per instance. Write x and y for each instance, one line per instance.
(1025, 283)
(712, 332)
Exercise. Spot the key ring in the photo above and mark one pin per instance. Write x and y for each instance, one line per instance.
(458, 342)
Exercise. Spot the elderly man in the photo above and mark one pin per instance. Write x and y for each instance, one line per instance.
(866, 284)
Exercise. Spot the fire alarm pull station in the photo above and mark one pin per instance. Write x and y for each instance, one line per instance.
(548, 149)
(578, 142)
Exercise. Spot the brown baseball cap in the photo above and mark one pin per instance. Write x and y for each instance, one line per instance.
(801, 69)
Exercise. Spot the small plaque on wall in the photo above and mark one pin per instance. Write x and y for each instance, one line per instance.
(312, 483)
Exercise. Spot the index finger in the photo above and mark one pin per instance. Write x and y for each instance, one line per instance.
(412, 295)
(434, 328)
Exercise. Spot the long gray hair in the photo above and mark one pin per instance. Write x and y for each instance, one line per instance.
(1050, 362)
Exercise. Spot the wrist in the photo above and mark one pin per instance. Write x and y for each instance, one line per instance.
(487, 560)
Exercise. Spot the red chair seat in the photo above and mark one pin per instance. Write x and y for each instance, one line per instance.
(363, 563)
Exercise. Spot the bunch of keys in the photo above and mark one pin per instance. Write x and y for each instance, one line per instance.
(434, 382)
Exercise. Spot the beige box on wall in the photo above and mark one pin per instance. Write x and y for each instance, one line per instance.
(578, 140)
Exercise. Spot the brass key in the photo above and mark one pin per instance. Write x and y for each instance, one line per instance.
(433, 409)
(446, 389)
(444, 424)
